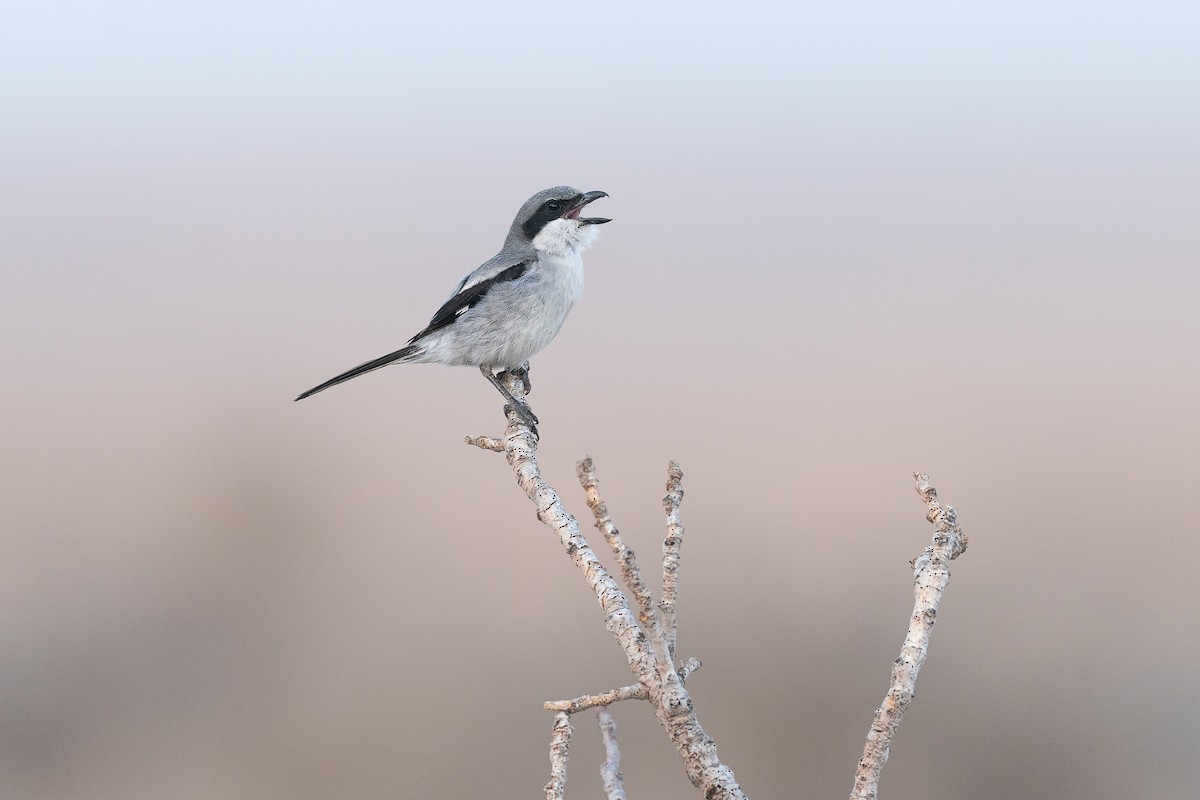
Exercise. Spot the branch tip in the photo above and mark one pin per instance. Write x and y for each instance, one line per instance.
(485, 443)
(931, 575)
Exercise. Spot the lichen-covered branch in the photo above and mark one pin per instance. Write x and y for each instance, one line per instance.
(560, 740)
(671, 548)
(931, 574)
(631, 574)
(634, 691)
(521, 452)
(486, 443)
(610, 770)
(626, 559)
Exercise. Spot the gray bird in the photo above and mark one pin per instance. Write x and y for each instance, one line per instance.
(513, 305)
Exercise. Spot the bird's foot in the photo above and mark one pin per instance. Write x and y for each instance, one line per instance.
(525, 414)
(521, 373)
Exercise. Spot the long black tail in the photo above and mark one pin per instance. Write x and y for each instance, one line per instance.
(363, 369)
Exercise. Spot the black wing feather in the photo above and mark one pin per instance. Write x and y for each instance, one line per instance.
(469, 298)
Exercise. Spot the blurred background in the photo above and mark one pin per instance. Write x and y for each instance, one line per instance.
(848, 243)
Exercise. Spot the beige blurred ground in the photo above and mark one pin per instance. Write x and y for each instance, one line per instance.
(847, 245)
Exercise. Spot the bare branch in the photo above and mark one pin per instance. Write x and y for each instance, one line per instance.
(671, 547)
(931, 574)
(631, 574)
(635, 691)
(486, 443)
(560, 740)
(618, 619)
(626, 560)
(610, 770)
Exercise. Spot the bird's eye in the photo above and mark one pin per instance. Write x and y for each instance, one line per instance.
(553, 205)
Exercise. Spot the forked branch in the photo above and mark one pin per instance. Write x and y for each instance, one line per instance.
(645, 644)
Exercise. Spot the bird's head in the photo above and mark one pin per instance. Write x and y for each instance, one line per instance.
(552, 218)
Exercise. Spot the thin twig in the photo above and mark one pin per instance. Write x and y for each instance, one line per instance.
(610, 770)
(634, 691)
(652, 624)
(486, 443)
(931, 574)
(560, 740)
(626, 559)
(671, 547)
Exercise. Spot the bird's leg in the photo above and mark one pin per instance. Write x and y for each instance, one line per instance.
(522, 409)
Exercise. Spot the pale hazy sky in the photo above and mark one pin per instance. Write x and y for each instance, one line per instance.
(848, 242)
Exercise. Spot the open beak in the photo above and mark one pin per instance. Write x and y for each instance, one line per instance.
(584, 199)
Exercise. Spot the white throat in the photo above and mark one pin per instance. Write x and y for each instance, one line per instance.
(564, 237)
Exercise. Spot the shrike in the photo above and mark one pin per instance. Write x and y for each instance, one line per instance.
(512, 306)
